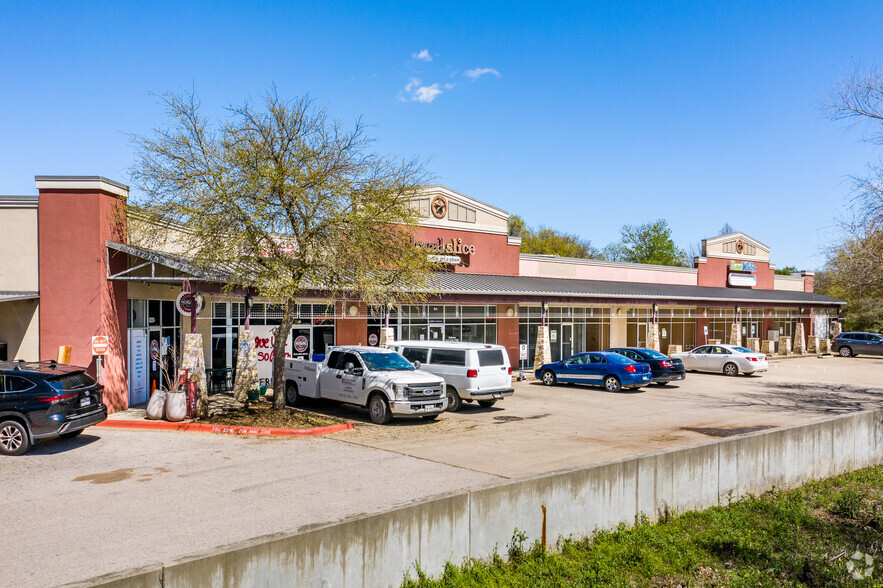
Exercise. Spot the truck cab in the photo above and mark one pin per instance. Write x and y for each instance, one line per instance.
(379, 379)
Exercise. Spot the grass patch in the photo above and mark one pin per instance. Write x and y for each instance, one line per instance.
(262, 414)
(825, 533)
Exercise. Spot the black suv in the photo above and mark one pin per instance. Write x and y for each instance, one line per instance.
(41, 400)
(851, 344)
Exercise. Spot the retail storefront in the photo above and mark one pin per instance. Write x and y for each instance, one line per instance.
(110, 284)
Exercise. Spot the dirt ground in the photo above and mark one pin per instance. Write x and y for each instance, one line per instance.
(541, 428)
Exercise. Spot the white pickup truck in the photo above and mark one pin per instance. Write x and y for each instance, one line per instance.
(374, 377)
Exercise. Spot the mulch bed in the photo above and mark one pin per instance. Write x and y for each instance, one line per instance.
(262, 414)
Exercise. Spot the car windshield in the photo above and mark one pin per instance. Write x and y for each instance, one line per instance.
(653, 354)
(386, 362)
(71, 381)
(742, 350)
(617, 358)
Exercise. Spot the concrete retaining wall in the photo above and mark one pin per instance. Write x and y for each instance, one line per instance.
(376, 550)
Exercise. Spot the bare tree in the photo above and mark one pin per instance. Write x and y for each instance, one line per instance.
(284, 199)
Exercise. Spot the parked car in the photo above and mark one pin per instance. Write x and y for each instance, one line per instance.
(726, 359)
(664, 368)
(472, 371)
(598, 368)
(851, 344)
(41, 400)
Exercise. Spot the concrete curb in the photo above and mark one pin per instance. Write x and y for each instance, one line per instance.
(224, 429)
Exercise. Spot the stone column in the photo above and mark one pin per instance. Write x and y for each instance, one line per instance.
(784, 345)
(387, 337)
(194, 362)
(544, 351)
(736, 334)
(799, 339)
(653, 336)
(247, 368)
(836, 328)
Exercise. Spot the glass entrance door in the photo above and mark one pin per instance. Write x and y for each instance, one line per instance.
(436, 332)
(566, 340)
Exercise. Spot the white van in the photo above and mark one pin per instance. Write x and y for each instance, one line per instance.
(472, 371)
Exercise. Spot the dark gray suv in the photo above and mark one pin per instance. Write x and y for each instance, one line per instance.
(41, 400)
(852, 344)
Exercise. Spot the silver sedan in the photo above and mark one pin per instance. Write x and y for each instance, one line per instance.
(726, 359)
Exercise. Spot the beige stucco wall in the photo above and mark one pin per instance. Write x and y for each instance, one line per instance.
(20, 329)
(790, 283)
(619, 326)
(19, 250)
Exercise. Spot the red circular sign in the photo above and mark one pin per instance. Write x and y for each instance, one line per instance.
(372, 339)
(154, 349)
(301, 343)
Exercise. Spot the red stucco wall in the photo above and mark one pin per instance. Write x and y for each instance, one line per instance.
(507, 336)
(493, 254)
(76, 299)
(715, 270)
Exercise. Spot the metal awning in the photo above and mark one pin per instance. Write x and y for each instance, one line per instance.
(13, 295)
(181, 267)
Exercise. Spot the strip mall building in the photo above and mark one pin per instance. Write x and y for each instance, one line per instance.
(72, 268)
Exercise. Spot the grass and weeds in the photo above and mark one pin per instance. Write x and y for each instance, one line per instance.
(825, 533)
(262, 414)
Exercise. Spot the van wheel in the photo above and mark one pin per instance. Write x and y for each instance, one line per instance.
(845, 352)
(486, 403)
(549, 378)
(611, 384)
(13, 438)
(730, 369)
(454, 400)
(379, 411)
(291, 395)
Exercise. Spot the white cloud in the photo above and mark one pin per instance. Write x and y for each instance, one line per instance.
(418, 93)
(422, 55)
(476, 73)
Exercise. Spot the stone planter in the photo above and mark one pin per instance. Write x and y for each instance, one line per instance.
(784, 345)
(812, 345)
(753, 343)
(675, 349)
(714, 341)
(768, 347)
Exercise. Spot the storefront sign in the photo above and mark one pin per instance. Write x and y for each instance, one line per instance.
(452, 259)
(372, 339)
(749, 280)
(439, 206)
(522, 352)
(281, 247)
(100, 345)
(742, 266)
(185, 301)
(137, 366)
(301, 343)
(449, 247)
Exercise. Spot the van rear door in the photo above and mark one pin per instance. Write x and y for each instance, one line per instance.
(493, 369)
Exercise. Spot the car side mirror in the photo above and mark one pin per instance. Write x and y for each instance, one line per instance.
(349, 368)
(416, 365)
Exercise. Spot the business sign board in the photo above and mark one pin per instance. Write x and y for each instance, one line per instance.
(264, 340)
(100, 345)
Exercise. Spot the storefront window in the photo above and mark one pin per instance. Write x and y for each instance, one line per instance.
(448, 322)
(572, 329)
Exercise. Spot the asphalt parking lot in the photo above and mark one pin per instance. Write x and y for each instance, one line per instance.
(114, 499)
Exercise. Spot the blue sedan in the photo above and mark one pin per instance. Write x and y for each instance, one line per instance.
(597, 368)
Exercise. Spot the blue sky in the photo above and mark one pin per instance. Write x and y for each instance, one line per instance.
(580, 116)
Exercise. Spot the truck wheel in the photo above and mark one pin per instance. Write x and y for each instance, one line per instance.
(454, 400)
(486, 403)
(379, 411)
(13, 438)
(549, 378)
(291, 395)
